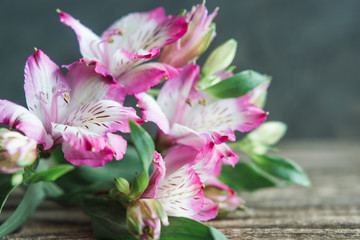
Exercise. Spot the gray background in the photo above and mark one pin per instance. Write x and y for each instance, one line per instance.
(310, 48)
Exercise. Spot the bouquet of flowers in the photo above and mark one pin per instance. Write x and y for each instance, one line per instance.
(77, 143)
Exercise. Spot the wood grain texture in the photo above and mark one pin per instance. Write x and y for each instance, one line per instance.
(328, 210)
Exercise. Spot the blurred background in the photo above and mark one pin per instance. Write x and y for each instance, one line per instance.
(310, 48)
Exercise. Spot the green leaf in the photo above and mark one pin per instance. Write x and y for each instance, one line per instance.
(51, 174)
(34, 195)
(245, 177)
(185, 228)
(281, 168)
(52, 190)
(144, 144)
(237, 85)
(5, 188)
(108, 218)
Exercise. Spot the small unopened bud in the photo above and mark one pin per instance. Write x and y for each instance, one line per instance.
(200, 33)
(122, 185)
(17, 179)
(144, 218)
(268, 133)
(220, 58)
(16, 151)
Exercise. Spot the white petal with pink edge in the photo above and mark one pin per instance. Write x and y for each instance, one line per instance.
(157, 175)
(91, 46)
(176, 93)
(87, 85)
(229, 157)
(209, 211)
(102, 117)
(45, 88)
(20, 118)
(222, 117)
(180, 193)
(118, 145)
(146, 30)
(122, 61)
(207, 162)
(152, 112)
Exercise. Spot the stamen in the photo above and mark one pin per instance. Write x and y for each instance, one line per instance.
(202, 101)
(120, 31)
(67, 98)
(60, 91)
(188, 101)
(110, 40)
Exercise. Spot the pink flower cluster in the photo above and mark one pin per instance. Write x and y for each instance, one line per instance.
(83, 109)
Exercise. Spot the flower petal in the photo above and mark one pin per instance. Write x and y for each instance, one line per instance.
(80, 138)
(102, 117)
(208, 162)
(180, 193)
(84, 148)
(224, 196)
(179, 156)
(143, 77)
(92, 159)
(209, 211)
(20, 118)
(175, 94)
(91, 45)
(118, 145)
(187, 136)
(222, 117)
(146, 30)
(152, 112)
(157, 175)
(83, 79)
(122, 61)
(228, 156)
(44, 85)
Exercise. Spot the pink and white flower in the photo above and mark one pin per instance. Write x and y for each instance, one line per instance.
(197, 39)
(128, 42)
(187, 116)
(16, 151)
(80, 110)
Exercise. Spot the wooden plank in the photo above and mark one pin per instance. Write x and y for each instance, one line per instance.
(328, 210)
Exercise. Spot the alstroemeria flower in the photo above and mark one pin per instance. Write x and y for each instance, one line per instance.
(187, 116)
(80, 110)
(16, 151)
(128, 42)
(197, 39)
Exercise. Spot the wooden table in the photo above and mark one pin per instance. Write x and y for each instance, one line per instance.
(328, 210)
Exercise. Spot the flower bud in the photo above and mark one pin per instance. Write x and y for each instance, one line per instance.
(122, 185)
(144, 218)
(258, 95)
(16, 151)
(220, 58)
(197, 39)
(269, 133)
